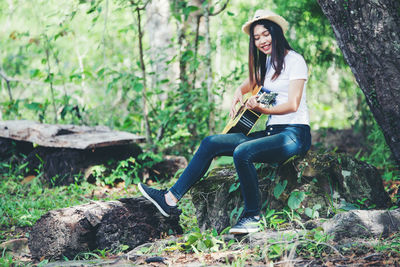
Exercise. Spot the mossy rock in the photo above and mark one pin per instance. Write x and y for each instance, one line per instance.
(325, 182)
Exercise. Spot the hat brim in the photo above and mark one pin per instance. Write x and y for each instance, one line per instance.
(274, 18)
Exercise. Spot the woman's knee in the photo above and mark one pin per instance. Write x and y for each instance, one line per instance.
(241, 153)
(209, 143)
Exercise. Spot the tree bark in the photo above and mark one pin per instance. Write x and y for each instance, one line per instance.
(210, 95)
(50, 78)
(98, 225)
(160, 30)
(143, 67)
(368, 33)
(7, 83)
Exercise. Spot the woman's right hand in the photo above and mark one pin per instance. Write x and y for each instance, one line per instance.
(237, 97)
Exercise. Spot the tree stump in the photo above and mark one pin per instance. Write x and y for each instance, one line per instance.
(318, 184)
(64, 152)
(104, 225)
(167, 168)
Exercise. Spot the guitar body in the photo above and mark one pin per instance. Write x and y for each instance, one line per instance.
(245, 119)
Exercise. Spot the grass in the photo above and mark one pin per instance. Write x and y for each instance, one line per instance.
(23, 202)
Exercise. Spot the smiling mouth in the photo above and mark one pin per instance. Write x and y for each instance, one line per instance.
(265, 47)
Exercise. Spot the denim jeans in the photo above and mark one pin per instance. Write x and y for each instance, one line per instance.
(275, 144)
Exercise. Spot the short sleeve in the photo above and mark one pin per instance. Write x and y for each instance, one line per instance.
(298, 68)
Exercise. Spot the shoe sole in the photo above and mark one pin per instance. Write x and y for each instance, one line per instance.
(152, 201)
(243, 231)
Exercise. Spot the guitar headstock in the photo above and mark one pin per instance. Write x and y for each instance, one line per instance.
(266, 97)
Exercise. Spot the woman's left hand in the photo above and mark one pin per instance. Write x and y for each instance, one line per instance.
(252, 102)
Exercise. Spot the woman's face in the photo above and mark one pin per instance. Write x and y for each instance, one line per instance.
(262, 39)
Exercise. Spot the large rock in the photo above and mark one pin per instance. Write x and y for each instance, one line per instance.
(363, 223)
(319, 183)
(104, 225)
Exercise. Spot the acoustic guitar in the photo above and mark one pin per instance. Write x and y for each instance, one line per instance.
(245, 118)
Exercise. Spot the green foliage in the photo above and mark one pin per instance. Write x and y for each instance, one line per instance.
(295, 199)
(77, 61)
(22, 204)
(390, 245)
(312, 212)
(315, 244)
(279, 188)
(197, 241)
(99, 253)
(380, 154)
(235, 214)
(6, 259)
(273, 219)
(308, 244)
(68, 65)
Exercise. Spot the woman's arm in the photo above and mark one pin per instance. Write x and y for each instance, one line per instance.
(293, 103)
(244, 88)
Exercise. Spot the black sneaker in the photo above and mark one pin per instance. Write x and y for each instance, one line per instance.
(158, 199)
(246, 225)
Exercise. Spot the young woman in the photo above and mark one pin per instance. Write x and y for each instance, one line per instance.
(273, 64)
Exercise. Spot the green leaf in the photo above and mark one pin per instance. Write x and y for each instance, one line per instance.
(34, 73)
(234, 187)
(49, 78)
(33, 106)
(317, 206)
(295, 199)
(189, 9)
(164, 81)
(279, 188)
(309, 212)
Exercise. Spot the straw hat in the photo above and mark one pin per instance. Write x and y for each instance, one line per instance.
(269, 15)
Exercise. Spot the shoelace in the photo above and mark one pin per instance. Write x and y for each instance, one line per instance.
(247, 219)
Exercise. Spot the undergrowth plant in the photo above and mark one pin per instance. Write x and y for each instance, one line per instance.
(199, 241)
(129, 170)
(390, 245)
(23, 201)
(308, 244)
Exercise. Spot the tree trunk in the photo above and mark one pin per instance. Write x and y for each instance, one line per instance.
(4, 76)
(50, 78)
(209, 78)
(143, 67)
(368, 33)
(159, 31)
(98, 225)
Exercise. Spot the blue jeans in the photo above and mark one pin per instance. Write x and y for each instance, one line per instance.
(275, 144)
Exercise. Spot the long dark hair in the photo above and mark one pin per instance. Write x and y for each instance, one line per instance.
(257, 59)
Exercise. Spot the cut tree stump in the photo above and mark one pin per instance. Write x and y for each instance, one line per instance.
(103, 225)
(64, 151)
(167, 168)
(320, 184)
(65, 136)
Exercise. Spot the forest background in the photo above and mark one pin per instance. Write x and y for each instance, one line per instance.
(162, 69)
(169, 77)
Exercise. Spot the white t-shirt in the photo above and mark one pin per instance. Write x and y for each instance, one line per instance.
(294, 67)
